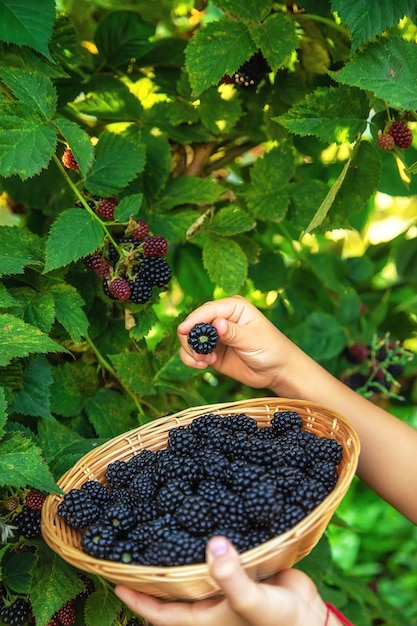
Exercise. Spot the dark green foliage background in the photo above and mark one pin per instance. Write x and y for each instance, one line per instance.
(245, 185)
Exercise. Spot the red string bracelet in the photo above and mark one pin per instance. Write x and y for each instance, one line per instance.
(338, 614)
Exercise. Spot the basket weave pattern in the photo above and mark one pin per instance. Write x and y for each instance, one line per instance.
(192, 582)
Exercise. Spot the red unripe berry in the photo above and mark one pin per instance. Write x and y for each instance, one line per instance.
(386, 142)
(105, 208)
(155, 246)
(69, 160)
(401, 134)
(120, 289)
(35, 499)
(67, 615)
(357, 353)
(98, 264)
(141, 230)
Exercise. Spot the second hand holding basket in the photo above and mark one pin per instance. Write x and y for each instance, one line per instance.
(193, 582)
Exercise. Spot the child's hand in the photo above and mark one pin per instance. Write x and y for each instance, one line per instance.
(289, 598)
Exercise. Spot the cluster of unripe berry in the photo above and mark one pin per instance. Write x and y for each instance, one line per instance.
(397, 134)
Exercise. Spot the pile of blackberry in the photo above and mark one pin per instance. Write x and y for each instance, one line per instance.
(131, 271)
(218, 475)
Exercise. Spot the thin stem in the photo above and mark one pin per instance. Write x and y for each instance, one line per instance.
(323, 20)
(106, 365)
(81, 198)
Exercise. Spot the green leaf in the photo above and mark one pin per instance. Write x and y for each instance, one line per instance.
(387, 68)
(216, 49)
(129, 206)
(110, 412)
(225, 262)
(276, 37)
(21, 464)
(158, 164)
(18, 339)
(69, 310)
(6, 300)
(16, 571)
(127, 366)
(56, 439)
(19, 247)
(144, 322)
(217, 113)
(35, 307)
(122, 36)
(74, 234)
(305, 196)
(117, 162)
(188, 190)
(33, 399)
(333, 114)
(268, 271)
(247, 11)
(320, 335)
(53, 582)
(175, 371)
(366, 20)
(268, 194)
(34, 89)
(173, 225)
(230, 221)
(27, 141)
(109, 99)
(71, 381)
(3, 411)
(27, 23)
(79, 142)
(102, 608)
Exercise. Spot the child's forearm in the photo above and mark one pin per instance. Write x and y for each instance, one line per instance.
(388, 459)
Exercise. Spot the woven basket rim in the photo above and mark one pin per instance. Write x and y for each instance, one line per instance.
(136, 439)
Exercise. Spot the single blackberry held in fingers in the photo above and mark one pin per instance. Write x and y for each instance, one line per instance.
(203, 338)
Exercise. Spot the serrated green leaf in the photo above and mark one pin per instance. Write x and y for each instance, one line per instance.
(387, 68)
(117, 162)
(6, 300)
(144, 322)
(69, 310)
(71, 382)
(267, 274)
(276, 37)
(332, 114)
(122, 36)
(158, 164)
(247, 11)
(175, 371)
(217, 113)
(188, 190)
(27, 24)
(56, 439)
(27, 141)
(16, 571)
(34, 398)
(34, 89)
(231, 220)
(173, 225)
(127, 366)
(305, 197)
(320, 335)
(225, 262)
(22, 464)
(3, 411)
(79, 142)
(366, 20)
(109, 412)
(18, 339)
(18, 248)
(268, 194)
(53, 582)
(129, 206)
(73, 235)
(35, 307)
(218, 48)
(101, 608)
(109, 99)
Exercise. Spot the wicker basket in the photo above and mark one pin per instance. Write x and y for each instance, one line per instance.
(191, 582)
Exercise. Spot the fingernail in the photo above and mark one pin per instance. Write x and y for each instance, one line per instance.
(218, 546)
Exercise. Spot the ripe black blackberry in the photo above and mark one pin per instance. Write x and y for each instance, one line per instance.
(119, 473)
(263, 503)
(96, 491)
(155, 271)
(177, 548)
(356, 380)
(124, 550)
(120, 515)
(17, 613)
(142, 488)
(141, 461)
(181, 441)
(78, 509)
(89, 585)
(28, 522)
(172, 495)
(194, 514)
(326, 473)
(202, 425)
(203, 338)
(140, 290)
(251, 72)
(98, 539)
(286, 420)
(240, 423)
